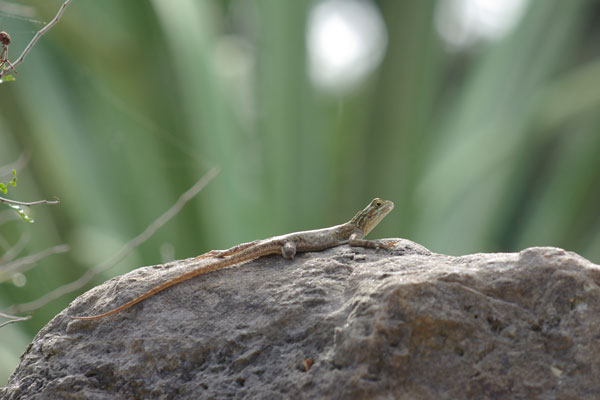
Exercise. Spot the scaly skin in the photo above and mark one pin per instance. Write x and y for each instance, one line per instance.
(352, 232)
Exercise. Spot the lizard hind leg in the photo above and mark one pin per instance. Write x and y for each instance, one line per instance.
(229, 252)
(288, 250)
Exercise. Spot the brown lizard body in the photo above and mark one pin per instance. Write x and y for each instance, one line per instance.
(352, 232)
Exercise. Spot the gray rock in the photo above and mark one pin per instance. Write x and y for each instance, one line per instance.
(404, 324)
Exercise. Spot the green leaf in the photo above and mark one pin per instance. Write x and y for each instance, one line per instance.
(8, 78)
(13, 183)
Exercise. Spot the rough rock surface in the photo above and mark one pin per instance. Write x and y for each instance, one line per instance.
(404, 324)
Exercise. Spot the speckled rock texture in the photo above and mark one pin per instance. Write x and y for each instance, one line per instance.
(344, 323)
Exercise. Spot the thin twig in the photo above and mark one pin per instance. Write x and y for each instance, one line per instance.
(12, 251)
(12, 319)
(21, 162)
(123, 252)
(28, 203)
(36, 37)
(25, 263)
(3, 315)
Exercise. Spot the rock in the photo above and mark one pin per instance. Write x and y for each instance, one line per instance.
(344, 323)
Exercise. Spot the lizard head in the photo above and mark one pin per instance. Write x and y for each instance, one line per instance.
(368, 218)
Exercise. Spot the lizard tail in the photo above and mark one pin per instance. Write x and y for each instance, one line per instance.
(159, 288)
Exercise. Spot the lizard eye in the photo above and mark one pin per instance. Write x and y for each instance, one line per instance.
(378, 204)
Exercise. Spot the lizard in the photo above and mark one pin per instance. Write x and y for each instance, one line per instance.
(352, 233)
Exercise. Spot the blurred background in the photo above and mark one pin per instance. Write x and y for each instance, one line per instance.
(478, 118)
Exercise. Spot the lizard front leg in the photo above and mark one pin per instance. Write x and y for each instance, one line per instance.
(356, 240)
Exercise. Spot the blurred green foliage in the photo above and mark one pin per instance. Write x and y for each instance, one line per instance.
(124, 104)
